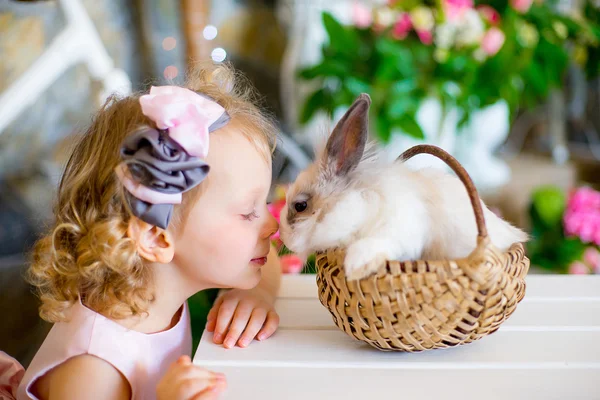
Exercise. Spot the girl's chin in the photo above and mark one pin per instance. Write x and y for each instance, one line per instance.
(249, 280)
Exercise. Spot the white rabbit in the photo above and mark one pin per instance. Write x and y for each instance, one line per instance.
(379, 210)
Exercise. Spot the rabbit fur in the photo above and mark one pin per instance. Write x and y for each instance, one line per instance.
(378, 210)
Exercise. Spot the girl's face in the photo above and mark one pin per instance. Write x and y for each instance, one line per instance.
(226, 236)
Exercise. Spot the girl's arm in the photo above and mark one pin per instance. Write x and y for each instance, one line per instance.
(88, 377)
(84, 377)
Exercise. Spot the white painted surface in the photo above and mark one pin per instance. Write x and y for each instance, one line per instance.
(549, 349)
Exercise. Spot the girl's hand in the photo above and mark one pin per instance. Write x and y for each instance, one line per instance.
(240, 316)
(186, 381)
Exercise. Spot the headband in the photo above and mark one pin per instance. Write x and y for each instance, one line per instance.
(158, 165)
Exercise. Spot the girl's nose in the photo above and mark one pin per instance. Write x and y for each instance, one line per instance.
(271, 226)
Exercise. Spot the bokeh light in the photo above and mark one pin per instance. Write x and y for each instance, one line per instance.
(169, 43)
(170, 72)
(219, 54)
(209, 32)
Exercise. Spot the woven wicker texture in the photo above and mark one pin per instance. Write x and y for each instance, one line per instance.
(423, 305)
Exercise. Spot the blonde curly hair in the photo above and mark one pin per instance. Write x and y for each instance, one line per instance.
(87, 253)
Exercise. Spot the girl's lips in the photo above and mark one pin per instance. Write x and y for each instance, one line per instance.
(259, 261)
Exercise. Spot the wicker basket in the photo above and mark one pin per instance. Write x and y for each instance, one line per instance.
(424, 305)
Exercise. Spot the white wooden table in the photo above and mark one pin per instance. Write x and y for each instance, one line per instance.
(548, 349)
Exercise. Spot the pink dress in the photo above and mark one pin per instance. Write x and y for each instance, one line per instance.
(142, 358)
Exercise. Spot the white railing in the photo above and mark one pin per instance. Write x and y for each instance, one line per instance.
(78, 43)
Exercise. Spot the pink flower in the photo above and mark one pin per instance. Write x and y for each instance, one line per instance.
(578, 268)
(459, 3)
(426, 37)
(489, 14)
(402, 26)
(291, 264)
(584, 198)
(582, 216)
(521, 6)
(591, 256)
(361, 15)
(454, 9)
(571, 223)
(585, 224)
(492, 41)
(586, 232)
(275, 208)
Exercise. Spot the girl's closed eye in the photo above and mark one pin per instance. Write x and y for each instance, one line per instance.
(250, 217)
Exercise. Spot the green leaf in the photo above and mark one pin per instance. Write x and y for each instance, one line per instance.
(399, 106)
(387, 70)
(341, 39)
(383, 128)
(333, 27)
(397, 60)
(549, 202)
(462, 122)
(199, 306)
(315, 102)
(409, 125)
(403, 87)
(569, 250)
(388, 47)
(327, 68)
(535, 76)
(357, 86)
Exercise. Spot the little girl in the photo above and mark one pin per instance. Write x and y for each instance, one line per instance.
(148, 214)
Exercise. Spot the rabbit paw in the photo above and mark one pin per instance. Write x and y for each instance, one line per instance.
(363, 258)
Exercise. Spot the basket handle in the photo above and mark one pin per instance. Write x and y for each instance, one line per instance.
(460, 172)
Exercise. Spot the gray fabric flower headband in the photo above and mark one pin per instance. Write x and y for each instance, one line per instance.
(160, 164)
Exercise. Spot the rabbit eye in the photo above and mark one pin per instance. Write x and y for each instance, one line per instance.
(300, 206)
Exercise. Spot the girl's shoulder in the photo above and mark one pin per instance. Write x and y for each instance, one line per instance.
(94, 375)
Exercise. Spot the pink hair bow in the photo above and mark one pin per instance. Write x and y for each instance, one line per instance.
(186, 114)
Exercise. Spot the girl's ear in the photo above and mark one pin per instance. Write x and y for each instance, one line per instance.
(153, 244)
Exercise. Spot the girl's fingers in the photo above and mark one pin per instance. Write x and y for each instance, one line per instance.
(191, 387)
(257, 320)
(176, 368)
(224, 317)
(212, 393)
(211, 325)
(238, 325)
(187, 372)
(270, 326)
(184, 360)
(211, 318)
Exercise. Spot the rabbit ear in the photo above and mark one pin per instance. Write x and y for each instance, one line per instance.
(346, 144)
